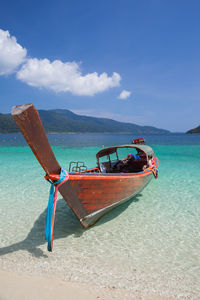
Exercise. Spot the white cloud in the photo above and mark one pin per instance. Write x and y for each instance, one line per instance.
(124, 94)
(11, 53)
(65, 77)
(57, 75)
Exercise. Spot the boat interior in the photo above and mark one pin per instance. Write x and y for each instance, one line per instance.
(110, 160)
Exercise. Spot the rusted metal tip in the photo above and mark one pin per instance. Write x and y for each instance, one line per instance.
(18, 109)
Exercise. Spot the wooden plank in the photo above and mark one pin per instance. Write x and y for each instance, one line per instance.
(27, 118)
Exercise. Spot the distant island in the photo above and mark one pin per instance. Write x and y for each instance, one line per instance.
(194, 130)
(65, 121)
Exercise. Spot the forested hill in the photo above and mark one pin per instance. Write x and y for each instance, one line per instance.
(63, 121)
(195, 130)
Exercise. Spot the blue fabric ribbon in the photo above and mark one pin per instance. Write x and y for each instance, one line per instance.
(49, 217)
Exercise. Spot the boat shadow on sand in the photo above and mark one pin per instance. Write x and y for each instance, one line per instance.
(66, 224)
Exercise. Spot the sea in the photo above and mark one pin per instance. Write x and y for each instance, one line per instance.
(150, 244)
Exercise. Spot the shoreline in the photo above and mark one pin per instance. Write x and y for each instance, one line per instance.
(20, 286)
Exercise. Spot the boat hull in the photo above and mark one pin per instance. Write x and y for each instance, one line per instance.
(90, 196)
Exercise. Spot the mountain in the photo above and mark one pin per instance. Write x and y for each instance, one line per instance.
(7, 124)
(63, 121)
(194, 130)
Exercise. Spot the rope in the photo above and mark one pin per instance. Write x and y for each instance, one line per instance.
(155, 172)
(51, 208)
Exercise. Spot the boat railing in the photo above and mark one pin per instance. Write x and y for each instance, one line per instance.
(77, 166)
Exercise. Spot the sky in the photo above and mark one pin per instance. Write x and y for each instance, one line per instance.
(134, 61)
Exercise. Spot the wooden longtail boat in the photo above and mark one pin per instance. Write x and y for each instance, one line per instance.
(90, 192)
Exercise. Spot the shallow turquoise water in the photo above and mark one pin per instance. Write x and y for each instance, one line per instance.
(151, 243)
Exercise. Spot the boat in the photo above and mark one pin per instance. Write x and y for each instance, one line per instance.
(89, 192)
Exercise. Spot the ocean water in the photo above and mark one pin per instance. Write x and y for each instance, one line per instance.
(149, 244)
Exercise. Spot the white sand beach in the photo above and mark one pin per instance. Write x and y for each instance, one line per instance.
(18, 286)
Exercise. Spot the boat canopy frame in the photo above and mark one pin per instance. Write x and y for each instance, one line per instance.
(147, 150)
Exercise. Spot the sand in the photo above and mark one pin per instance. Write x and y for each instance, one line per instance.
(15, 286)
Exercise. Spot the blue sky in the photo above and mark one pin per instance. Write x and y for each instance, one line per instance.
(132, 61)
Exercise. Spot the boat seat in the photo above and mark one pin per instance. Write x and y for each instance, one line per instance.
(138, 165)
(104, 167)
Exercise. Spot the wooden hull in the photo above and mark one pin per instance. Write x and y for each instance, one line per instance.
(90, 196)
